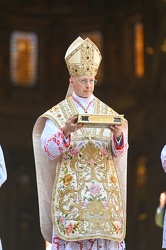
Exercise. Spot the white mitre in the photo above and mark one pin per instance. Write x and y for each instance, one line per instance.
(82, 59)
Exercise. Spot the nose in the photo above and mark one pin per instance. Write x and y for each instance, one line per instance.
(88, 83)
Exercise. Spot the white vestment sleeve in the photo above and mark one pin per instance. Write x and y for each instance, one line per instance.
(53, 141)
(3, 172)
(48, 131)
(163, 158)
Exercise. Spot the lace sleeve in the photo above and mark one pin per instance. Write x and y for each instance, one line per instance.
(53, 141)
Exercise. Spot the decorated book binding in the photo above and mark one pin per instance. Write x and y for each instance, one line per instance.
(99, 120)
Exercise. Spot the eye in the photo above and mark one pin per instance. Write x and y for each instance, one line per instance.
(83, 81)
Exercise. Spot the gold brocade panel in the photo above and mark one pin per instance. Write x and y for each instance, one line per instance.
(86, 195)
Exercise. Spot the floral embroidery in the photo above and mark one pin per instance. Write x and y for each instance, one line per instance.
(104, 151)
(84, 203)
(62, 219)
(74, 151)
(117, 226)
(113, 179)
(92, 162)
(91, 193)
(71, 152)
(53, 109)
(69, 229)
(67, 180)
(87, 193)
(94, 189)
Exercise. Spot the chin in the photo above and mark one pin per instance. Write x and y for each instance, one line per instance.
(87, 94)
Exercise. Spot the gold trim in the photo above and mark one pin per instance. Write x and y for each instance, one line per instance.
(100, 120)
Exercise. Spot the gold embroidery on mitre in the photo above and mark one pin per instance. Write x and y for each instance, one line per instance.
(83, 58)
(87, 200)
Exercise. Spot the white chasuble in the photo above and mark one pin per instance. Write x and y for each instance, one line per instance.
(89, 190)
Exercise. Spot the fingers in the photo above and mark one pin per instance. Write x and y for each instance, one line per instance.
(72, 125)
(115, 126)
(73, 119)
(116, 130)
(79, 126)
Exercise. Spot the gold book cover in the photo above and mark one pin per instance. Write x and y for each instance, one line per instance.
(99, 120)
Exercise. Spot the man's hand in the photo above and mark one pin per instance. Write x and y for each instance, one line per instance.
(116, 130)
(71, 125)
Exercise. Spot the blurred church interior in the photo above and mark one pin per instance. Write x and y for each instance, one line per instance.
(34, 36)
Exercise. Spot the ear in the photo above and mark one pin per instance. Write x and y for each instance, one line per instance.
(71, 81)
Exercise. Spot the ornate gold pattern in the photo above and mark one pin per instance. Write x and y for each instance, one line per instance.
(86, 201)
(84, 60)
(92, 201)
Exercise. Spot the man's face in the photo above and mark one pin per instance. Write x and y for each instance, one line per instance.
(83, 86)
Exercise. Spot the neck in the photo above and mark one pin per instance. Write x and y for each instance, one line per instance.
(84, 103)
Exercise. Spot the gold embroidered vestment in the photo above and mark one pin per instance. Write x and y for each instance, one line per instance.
(89, 194)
